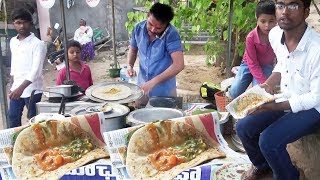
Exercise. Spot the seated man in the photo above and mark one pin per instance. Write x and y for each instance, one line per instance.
(266, 132)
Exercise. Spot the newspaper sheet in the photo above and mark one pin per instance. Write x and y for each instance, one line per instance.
(114, 168)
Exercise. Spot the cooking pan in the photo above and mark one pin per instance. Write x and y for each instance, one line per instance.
(136, 92)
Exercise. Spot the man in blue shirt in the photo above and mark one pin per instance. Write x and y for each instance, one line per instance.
(160, 52)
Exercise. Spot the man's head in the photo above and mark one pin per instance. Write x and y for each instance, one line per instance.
(266, 17)
(292, 14)
(159, 17)
(82, 22)
(22, 21)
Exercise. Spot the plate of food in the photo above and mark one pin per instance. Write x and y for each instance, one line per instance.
(248, 102)
(48, 150)
(115, 92)
(162, 150)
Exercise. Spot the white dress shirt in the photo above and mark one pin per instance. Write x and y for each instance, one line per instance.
(300, 69)
(83, 37)
(27, 57)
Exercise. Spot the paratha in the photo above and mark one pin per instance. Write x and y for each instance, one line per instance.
(111, 92)
(49, 149)
(164, 149)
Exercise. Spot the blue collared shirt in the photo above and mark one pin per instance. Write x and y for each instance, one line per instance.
(155, 56)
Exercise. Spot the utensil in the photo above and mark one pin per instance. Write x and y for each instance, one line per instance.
(147, 115)
(136, 92)
(100, 108)
(61, 89)
(115, 119)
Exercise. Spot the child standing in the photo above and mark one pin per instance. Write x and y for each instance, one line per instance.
(259, 58)
(79, 72)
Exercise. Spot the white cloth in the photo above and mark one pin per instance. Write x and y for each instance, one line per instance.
(83, 37)
(300, 69)
(27, 57)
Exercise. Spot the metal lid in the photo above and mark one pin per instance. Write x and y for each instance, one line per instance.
(117, 110)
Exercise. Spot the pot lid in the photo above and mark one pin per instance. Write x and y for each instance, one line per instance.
(116, 111)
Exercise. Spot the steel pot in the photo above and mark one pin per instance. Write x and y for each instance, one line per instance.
(66, 90)
(147, 115)
(115, 119)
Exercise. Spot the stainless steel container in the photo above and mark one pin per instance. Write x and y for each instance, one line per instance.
(147, 115)
(61, 89)
(115, 119)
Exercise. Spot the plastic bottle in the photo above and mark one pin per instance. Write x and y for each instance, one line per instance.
(123, 74)
(133, 80)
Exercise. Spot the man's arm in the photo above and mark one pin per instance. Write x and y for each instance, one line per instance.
(132, 56)
(15, 94)
(176, 67)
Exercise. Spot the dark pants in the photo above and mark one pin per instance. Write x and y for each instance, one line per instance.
(265, 137)
(16, 109)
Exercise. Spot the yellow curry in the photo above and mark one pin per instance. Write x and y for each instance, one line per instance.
(52, 159)
(167, 158)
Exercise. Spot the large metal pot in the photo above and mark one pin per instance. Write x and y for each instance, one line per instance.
(115, 119)
(147, 115)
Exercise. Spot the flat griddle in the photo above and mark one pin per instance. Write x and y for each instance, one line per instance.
(136, 92)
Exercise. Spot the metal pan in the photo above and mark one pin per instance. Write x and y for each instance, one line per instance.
(136, 92)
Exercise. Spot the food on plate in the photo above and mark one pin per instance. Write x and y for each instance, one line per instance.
(111, 92)
(49, 149)
(249, 101)
(164, 149)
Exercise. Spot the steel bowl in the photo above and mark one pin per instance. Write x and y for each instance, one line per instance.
(152, 114)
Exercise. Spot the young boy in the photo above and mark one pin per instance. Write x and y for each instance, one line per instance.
(28, 55)
(259, 58)
(79, 72)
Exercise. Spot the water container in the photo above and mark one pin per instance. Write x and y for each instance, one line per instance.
(123, 74)
(133, 80)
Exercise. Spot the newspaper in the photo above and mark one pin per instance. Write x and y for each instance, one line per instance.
(117, 146)
(114, 168)
(93, 123)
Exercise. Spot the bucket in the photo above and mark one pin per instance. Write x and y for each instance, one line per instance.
(114, 72)
(221, 101)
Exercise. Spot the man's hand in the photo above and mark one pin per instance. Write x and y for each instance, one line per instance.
(263, 108)
(267, 87)
(131, 72)
(15, 94)
(148, 86)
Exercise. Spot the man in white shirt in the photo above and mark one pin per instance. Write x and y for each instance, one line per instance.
(28, 55)
(84, 36)
(267, 131)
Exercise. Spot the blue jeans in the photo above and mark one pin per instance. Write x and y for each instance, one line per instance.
(244, 78)
(265, 137)
(16, 109)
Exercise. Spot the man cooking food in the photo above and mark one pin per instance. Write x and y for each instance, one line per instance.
(160, 52)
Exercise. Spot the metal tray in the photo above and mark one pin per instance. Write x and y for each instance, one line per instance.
(136, 92)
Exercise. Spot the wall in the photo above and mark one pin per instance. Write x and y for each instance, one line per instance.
(44, 21)
(99, 16)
